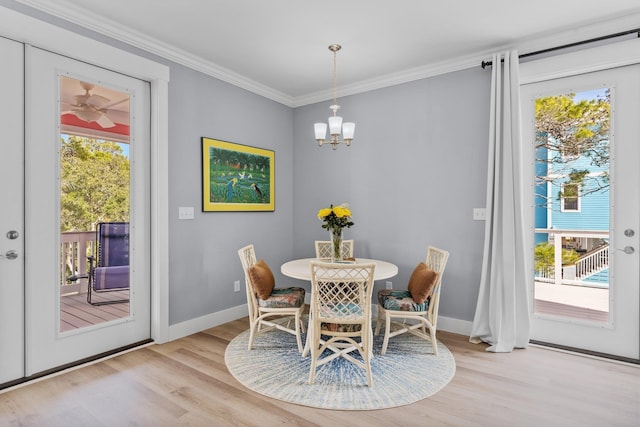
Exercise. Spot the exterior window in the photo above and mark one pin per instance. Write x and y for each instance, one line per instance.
(570, 198)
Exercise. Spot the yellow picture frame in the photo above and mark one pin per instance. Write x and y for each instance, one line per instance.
(237, 177)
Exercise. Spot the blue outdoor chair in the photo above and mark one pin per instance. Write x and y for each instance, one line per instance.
(111, 269)
(109, 266)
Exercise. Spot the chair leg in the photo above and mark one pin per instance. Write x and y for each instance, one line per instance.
(252, 333)
(387, 331)
(314, 354)
(379, 321)
(368, 354)
(434, 343)
(298, 333)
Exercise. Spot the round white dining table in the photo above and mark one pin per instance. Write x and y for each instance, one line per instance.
(301, 269)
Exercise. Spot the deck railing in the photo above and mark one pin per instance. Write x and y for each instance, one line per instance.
(75, 247)
(590, 264)
(593, 263)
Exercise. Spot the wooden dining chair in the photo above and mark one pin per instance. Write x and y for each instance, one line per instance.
(324, 249)
(340, 315)
(418, 304)
(267, 304)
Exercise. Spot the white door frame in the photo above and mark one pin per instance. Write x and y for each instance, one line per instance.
(22, 28)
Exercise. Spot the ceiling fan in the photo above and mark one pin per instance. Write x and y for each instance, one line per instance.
(92, 107)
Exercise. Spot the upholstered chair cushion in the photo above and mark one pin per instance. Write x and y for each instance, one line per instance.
(283, 298)
(421, 283)
(400, 301)
(262, 279)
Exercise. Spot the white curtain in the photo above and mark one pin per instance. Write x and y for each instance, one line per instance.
(502, 311)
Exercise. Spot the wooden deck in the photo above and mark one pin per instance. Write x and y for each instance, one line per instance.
(76, 312)
(575, 302)
(572, 311)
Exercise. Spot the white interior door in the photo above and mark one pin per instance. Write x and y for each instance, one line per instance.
(11, 212)
(619, 333)
(46, 345)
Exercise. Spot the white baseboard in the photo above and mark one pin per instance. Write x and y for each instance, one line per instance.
(199, 324)
(456, 326)
(188, 327)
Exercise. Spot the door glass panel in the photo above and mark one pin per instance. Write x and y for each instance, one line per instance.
(571, 254)
(94, 204)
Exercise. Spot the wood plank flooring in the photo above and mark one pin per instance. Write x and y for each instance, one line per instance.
(76, 312)
(186, 382)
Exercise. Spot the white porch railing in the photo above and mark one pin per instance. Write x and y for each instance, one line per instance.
(589, 265)
(593, 263)
(75, 246)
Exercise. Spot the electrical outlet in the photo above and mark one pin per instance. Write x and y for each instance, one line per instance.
(185, 213)
(389, 284)
(479, 214)
(236, 286)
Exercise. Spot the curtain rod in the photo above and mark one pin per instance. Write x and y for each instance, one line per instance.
(485, 64)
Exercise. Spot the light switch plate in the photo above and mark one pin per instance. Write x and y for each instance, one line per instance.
(185, 213)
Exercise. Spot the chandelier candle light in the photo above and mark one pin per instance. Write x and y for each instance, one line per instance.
(335, 219)
(335, 121)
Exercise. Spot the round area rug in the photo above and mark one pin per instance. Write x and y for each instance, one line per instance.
(408, 372)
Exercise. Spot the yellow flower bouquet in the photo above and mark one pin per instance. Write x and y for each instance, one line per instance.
(336, 218)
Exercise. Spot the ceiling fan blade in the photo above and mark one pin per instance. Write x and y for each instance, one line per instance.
(88, 115)
(105, 122)
(79, 100)
(114, 103)
(97, 101)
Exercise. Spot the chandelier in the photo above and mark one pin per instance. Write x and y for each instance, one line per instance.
(335, 121)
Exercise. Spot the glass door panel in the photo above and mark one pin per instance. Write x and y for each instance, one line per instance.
(571, 255)
(94, 199)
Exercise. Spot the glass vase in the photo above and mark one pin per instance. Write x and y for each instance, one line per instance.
(336, 244)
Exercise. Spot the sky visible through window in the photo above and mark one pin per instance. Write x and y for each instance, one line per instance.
(590, 94)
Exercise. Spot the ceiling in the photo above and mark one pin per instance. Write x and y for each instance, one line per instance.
(279, 48)
(111, 108)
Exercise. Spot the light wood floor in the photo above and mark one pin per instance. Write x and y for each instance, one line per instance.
(185, 382)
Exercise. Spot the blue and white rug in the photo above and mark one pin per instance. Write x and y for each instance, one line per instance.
(408, 372)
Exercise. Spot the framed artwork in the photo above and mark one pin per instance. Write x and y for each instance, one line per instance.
(237, 177)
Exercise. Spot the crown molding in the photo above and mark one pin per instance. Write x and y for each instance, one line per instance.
(69, 12)
(64, 10)
(392, 79)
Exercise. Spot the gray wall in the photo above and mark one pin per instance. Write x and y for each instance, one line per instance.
(203, 252)
(416, 169)
(412, 176)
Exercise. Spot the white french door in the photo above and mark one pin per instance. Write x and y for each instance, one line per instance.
(31, 338)
(47, 346)
(618, 333)
(11, 212)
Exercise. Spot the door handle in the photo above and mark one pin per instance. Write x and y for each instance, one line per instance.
(10, 255)
(628, 250)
